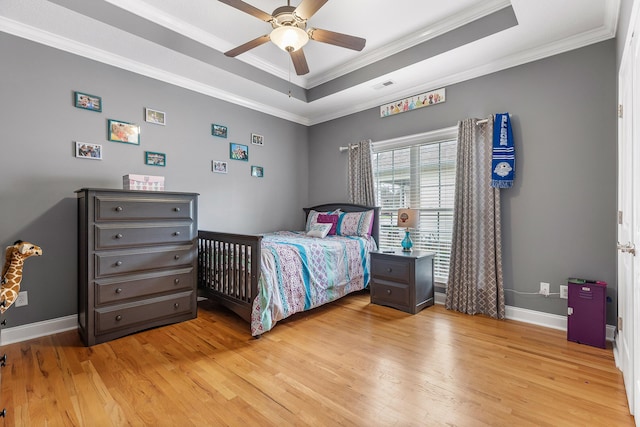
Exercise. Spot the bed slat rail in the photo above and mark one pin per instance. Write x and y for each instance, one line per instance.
(228, 269)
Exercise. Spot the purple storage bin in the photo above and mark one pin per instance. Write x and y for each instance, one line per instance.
(586, 320)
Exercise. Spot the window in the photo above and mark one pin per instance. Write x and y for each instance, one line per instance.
(418, 172)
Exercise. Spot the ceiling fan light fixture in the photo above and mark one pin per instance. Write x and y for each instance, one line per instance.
(289, 38)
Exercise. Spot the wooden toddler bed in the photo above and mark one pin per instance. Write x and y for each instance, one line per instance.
(266, 278)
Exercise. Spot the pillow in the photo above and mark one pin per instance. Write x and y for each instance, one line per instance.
(356, 223)
(312, 218)
(329, 219)
(319, 230)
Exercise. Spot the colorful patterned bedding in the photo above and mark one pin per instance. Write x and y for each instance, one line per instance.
(299, 273)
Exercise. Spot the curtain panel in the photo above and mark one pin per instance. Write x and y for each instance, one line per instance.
(475, 283)
(361, 174)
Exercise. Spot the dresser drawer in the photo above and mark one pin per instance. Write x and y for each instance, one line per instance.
(120, 236)
(125, 315)
(393, 269)
(109, 264)
(108, 292)
(396, 294)
(110, 208)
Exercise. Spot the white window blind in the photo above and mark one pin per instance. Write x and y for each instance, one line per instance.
(418, 172)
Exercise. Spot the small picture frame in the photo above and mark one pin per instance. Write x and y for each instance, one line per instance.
(257, 171)
(219, 131)
(87, 102)
(238, 152)
(152, 158)
(128, 133)
(257, 139)
(154, 116)
(85, 150)
(218, 166)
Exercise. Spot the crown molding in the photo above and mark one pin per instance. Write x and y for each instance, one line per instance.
(62, 43)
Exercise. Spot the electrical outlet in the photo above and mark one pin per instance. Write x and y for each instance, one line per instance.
(544, 289)
(564, 291)
(23, 299)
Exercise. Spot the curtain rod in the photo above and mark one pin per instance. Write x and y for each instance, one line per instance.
(346, 148)
(483, 121)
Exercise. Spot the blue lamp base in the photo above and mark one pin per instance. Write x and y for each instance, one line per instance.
(407, 243)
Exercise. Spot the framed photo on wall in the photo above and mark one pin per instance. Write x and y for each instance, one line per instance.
(87, 102)
(128, 133)
(218, 166)
(154, 116)
(257, 139)
(257, 171)
(238, 152)
(85, 150)
(219, 131)
(155, 159)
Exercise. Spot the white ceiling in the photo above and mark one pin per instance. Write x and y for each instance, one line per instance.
(110, 31)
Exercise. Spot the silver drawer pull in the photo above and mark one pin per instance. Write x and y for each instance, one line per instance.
(119, 290)
(389, 270)
(118, 236)
(176, 305)
(388, 291)
(119, 209)
(118, 263)
(176, 257)
(176, 233)
(118, 318)
(176, 281)
(176, 209)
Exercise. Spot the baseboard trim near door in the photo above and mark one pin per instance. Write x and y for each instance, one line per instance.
(553, 321)
(38, 329)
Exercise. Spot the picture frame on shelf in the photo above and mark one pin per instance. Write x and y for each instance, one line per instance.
(85, 150)
(219, 166)
(152, 158)
(257, 139)
(238, 152)
(219, 131)
(154, 116)
(86, 101)
(257, 171)
(119, 131)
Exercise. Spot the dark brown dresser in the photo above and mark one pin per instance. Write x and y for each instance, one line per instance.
(402, 280)
(137, 261)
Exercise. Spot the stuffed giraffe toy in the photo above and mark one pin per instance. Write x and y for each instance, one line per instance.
(12, 270)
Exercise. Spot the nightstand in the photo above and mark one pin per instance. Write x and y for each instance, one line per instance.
(402, 280)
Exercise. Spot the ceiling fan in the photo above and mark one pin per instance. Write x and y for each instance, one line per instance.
(289, 31)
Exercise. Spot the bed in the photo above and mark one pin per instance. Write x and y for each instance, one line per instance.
(269, 277)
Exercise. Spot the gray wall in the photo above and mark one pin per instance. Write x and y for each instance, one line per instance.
(558, 221)
(39, 173)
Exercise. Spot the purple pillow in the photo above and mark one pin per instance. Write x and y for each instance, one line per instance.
(329, 219)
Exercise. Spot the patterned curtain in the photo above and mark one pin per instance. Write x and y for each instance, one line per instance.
(361, 174)
(475, 273)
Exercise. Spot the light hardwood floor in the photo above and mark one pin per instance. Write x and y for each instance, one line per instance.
(350, 363)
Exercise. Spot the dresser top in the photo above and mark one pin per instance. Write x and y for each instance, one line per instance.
(115, 190)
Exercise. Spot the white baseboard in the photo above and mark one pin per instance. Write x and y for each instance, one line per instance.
(553, 321)
(38, 329)
(68, 323)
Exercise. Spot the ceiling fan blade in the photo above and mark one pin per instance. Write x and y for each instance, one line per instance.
(308, 8)
(247, 8)
(248, 45)
(338, 39)
(299, 62)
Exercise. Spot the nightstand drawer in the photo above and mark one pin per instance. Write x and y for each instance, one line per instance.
(397, 270)
(395, 294)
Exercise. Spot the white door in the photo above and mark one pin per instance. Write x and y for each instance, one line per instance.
(628, 222)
